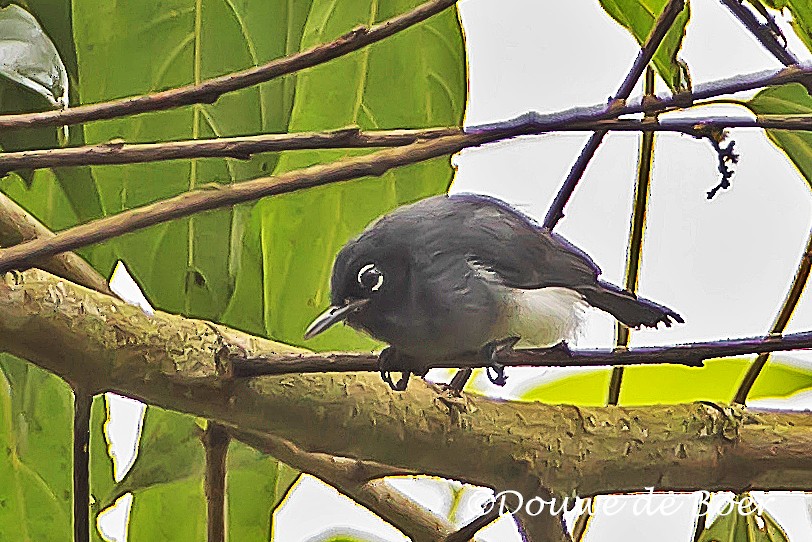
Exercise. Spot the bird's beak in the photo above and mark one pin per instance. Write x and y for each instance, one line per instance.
(332, 316)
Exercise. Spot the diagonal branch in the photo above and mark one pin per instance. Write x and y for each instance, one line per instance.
(656, 36)
(210, 90)
(17, 225)
(767, 33)
(218, 196)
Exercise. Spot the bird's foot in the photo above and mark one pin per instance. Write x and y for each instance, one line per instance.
(391, 360)
(491, 351)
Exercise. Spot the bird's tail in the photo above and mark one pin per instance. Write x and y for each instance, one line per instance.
(629, 309)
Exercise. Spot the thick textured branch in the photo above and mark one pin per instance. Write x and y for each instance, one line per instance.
(210, 90)
(218, 196)
(172, 362)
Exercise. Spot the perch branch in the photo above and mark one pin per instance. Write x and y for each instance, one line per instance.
(236, 365)
(655, 37)
(171, 361)
(210, 90)
(218, 196)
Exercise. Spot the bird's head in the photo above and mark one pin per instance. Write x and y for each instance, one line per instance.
(368, 279)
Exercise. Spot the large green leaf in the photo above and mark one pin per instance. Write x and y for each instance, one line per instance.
(788, 100)
(29, 57)
(128, 48)
(166, 482)
(749, 526)
(646, 385)
(638, 17)
(801, 19)
(35, 453)
(412, 80)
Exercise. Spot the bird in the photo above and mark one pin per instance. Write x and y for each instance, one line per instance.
(454, 275)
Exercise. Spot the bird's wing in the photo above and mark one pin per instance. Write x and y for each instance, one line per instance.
(520, 254)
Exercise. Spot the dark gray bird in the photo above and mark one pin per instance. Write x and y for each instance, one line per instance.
(453, 275)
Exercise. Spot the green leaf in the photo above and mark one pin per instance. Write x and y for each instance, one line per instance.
(744, 527)
(28, 57)
(646, 385)
(788, 100)
(166, 482)
(36, 410)
(412, 80)
(128, 48)
(801, 19)
(638, 17)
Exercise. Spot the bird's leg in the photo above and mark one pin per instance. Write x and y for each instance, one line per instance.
(459, 381)
(491, 353)
(391, 360)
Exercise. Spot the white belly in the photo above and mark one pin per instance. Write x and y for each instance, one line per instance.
(541, 317)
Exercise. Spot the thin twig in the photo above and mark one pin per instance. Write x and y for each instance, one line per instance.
(781, 321)
(467, 532)
(767, 33)
(215, 442)
(219, 196)
(689, 354)
(636, 229)
(82, 402)
(655, 37)
(241, 148)
(210, 90)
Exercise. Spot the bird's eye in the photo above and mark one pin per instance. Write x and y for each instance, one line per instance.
(370, 278)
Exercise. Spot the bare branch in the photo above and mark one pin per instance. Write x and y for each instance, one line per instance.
(234, 364)
(210, 90)
(768, 33)
(241, 148)
(215, 442)
(656, 36)
(218, 196)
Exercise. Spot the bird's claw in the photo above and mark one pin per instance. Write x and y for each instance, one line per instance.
(388, 361)
(498, 377)
(491, 352)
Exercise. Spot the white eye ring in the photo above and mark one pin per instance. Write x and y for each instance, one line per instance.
(366, 268)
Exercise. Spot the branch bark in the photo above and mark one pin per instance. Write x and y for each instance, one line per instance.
(210, 90)
(172, 362)
(218, 196)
